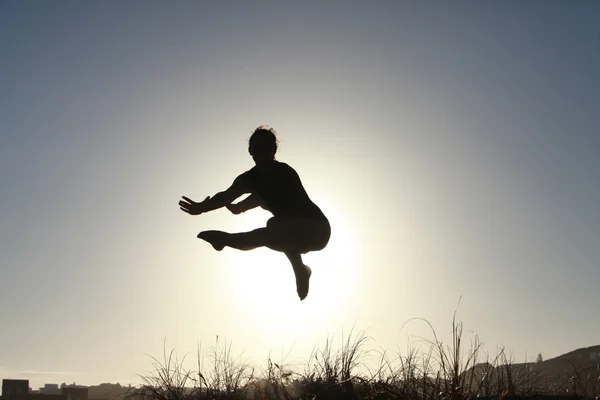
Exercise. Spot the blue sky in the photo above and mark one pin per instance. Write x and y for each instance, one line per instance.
(453, 147)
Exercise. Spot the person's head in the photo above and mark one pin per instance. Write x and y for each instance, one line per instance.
(262, 145)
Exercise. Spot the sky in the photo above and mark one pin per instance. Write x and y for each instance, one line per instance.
(452, 145)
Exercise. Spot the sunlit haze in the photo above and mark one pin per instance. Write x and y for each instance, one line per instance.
(452, 145)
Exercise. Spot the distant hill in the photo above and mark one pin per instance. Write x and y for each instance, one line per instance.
(575, 372)
(591, 353)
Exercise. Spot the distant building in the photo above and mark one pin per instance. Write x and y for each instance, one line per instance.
(15, 389)
(41, 396)
(50, 388)
(106, 391)
(75, 393)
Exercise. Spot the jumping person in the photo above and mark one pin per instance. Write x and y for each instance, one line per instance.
(297, 226)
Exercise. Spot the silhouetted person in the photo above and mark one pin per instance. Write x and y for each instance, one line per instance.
(297, 226)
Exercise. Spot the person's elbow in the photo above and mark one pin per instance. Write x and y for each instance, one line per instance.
(229, 195)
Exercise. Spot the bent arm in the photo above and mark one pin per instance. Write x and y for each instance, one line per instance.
(221, 199)
(251, 202)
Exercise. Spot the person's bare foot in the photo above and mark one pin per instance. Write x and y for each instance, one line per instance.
(303, 274)
(215, 238)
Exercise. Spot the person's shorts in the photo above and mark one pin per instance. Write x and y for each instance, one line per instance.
(307, 234)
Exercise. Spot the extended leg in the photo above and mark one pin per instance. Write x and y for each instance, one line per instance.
(279, 235)
(245, 240)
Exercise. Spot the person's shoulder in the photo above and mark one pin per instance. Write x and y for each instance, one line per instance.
(247, 174)
(286, 169)
(284, 166)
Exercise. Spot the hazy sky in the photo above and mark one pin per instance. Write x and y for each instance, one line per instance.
(453, 146)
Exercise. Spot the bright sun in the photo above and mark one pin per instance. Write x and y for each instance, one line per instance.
(264, 285)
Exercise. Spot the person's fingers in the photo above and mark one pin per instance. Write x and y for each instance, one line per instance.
(188, 199)
(184, 209)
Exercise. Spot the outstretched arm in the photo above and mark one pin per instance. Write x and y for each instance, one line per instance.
(219, 200)
(248, 203)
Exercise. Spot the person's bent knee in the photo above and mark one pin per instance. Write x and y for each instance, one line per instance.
(273, 223)
(322, 236)
(319, 237)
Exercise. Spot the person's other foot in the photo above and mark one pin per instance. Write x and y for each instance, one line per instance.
(215, 238)
(303, 274)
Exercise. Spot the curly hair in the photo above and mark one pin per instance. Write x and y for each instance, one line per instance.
(266, 132)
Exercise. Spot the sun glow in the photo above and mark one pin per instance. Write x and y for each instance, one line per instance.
(263, 282)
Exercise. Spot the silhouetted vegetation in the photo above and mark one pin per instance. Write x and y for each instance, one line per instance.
(453, 371)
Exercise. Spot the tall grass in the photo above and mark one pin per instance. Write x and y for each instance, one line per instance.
(226, 377)
(330, 373)
(439, 371)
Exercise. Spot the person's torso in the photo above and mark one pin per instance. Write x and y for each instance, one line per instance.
(281, 189)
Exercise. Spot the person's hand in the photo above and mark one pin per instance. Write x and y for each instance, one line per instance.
(234, 208)
(191, 207)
